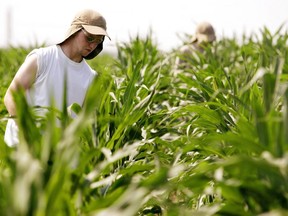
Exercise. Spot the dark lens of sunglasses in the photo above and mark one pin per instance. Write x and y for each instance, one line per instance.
(90, 39)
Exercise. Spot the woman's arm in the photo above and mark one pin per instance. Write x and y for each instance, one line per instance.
(23, 79)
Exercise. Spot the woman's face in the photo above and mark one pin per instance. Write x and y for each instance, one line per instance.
(88, 42)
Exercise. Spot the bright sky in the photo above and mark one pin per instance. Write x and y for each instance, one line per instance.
(47, 21)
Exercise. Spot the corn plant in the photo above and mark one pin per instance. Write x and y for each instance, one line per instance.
(209, 139)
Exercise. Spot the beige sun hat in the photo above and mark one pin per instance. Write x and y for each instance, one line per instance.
(204, 33)
(93, 22)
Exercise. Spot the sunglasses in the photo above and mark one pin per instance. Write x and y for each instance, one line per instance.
(92, 39)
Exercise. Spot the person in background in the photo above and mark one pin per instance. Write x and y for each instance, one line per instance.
(204, 35)
(46, 70)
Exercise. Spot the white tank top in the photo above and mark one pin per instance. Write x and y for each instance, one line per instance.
(54, 68)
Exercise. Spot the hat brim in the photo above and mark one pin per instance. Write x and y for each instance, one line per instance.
(206, 38)
(95, 30)
(71, 31)
(193, 39)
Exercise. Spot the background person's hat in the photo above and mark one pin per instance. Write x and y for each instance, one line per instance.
(93, 22)
(204, 33)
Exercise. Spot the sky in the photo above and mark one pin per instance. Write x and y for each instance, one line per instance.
(25, 22)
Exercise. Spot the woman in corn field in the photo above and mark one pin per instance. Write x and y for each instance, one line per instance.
(46, 71)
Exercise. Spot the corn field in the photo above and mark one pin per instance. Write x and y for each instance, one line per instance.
(208, 139)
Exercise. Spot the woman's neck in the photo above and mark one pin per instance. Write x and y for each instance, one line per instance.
(70, 51)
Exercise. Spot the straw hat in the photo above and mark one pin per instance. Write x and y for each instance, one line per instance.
(204, 33)
(93, 22)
